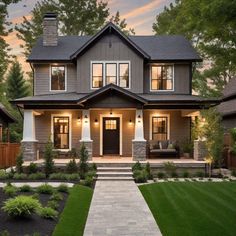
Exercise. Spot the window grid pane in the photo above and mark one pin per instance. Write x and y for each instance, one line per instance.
(61, 132)
(162, 77)
(124, 75)
(97, 75)
(58, 78)
(110, 125)
(159, 128)
(111, 73)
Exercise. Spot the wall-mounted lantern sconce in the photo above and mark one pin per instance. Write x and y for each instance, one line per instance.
(130, 121)
(96, 121)
(86, 119)
(139, 118)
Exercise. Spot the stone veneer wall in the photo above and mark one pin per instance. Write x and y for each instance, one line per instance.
(199, 151)
(29, 150)
(139, 150)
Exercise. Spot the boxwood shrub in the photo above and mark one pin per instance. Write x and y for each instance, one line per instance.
(10, 190)
(47, 213)
(63, 188)
(36, 176)
(45, 189)
(20, 176)
(3, 175)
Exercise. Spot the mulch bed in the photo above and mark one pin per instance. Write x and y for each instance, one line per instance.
(34, 224)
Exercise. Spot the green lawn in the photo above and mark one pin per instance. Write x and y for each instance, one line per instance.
(192, 208)
(73, 218)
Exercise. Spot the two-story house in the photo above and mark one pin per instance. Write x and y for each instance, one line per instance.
(110, 91)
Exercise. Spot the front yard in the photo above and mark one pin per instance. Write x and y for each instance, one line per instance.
(192, 208)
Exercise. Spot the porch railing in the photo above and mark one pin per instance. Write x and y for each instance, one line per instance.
(8, 154)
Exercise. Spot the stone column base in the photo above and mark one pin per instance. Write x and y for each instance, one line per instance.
(199, 150)
(139, 150)
(89, 147)
(29, 150)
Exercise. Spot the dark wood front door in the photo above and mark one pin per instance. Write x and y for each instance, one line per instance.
(111, 136)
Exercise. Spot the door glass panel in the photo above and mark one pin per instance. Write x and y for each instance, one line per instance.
(61, 132)
(110, 125)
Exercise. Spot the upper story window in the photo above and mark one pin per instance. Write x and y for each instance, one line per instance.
(58, 78)
(114, 72)
(162, 78)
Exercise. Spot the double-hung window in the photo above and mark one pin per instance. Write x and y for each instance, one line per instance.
(162, 78)
(58, 78)
(159, 128)
(112, 72)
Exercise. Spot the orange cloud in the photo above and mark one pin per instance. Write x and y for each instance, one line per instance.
(143, 9)
(18, 20)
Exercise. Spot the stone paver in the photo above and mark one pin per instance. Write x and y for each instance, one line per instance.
(36, 184)
(119, 209)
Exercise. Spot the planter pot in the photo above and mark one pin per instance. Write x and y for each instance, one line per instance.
(186, 155)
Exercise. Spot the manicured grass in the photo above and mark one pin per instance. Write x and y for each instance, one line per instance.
(190, 208)
(73, 218)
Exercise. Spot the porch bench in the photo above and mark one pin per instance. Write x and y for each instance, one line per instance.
(162, 148)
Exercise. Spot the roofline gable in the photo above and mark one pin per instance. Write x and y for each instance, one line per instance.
(110, 26)
(110, 87)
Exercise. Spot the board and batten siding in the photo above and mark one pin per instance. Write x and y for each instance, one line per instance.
(42, 79)
(182, 79)
(109, 48)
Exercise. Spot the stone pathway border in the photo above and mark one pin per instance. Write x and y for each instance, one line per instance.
(36, 184)
(119, 209)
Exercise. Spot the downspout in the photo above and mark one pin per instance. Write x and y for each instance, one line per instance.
(33, 77)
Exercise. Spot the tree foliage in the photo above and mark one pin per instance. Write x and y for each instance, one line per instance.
(211, 26)
(16, 84)
(84, 17)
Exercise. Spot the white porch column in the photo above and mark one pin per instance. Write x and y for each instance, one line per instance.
(29, 126)
(86, 133)
(139, 149)
(29, 142)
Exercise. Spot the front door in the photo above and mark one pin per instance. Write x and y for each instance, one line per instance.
(111, 136)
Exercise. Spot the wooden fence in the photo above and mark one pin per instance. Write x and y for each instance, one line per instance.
(8, 154)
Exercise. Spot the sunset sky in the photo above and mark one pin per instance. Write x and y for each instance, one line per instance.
(139, 14)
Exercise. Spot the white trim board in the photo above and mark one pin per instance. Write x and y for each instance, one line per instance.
(101, 131)
(70, 130)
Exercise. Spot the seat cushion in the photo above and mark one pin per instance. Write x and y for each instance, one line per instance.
(163, 151)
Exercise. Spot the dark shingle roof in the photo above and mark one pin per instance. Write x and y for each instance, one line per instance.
(6, 115)
(166, 47)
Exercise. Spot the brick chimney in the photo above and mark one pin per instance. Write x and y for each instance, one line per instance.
(50, 29)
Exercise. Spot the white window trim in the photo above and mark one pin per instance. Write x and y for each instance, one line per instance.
(70, 130)
(150, 80)
(104, 72)
(101, 131)
(50, 80)
(168, 124)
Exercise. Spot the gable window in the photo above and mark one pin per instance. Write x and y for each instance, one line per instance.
(159, 128)
(111, 72)
(58, 79)
(162, 78)
(61, 132)
(97, 75)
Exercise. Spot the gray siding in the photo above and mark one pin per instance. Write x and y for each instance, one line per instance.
(42, 78)
(182, 79)
(109, 48)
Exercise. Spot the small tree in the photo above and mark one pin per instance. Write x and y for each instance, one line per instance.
(72, 167)
(19, 163)
(83, 165)
(48, 158)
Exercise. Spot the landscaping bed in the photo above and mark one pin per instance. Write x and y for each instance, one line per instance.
(192, 208)
(19, 226)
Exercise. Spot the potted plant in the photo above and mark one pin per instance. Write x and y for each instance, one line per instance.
(187, 149)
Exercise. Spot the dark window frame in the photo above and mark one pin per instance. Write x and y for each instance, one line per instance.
(56, 133)
(124, 63)
(97, 63)
(166, 121)
(162, 80)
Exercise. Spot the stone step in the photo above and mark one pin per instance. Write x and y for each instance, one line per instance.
(114, 164)
(114, 174)
(115, 169)
(115, 178)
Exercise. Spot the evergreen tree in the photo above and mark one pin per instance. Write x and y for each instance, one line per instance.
(83, 165)
(48, 158)
(16, 85)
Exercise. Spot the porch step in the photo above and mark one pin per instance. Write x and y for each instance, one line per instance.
(114, 164)
(114, 174)
(115, 178)
(115, 169)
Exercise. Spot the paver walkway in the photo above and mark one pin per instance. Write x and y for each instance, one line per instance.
(118, 208)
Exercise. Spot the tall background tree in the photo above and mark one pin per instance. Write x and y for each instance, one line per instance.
(84, 17)
(211, 26)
